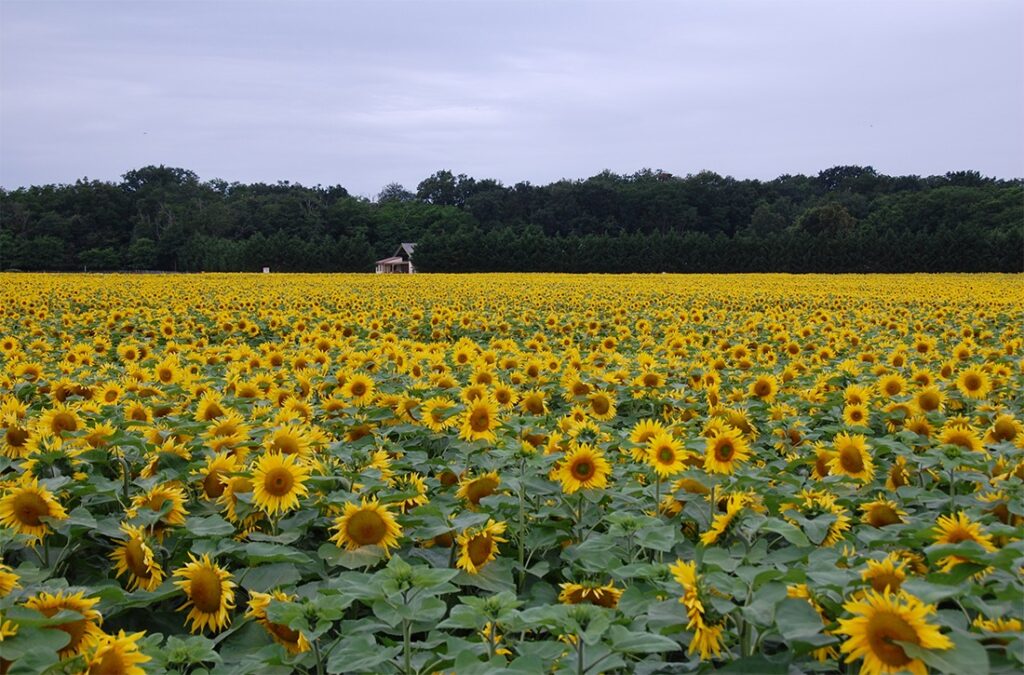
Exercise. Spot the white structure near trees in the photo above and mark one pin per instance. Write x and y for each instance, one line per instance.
(400, 262)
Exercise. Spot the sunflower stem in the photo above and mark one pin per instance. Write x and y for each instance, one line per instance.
(657, 495)
(522, 527)
(318, 658)
(579, 656)
(579, 517)
(407, 646)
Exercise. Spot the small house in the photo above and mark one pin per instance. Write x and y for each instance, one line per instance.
(400, 262)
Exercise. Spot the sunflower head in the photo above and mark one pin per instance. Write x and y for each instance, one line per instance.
(479, 546)
(209, 594)
(84, 631)
(583, 467)
(367, 524)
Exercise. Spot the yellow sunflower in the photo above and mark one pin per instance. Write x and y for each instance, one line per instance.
(290, 439)
(1005, 429)
(367, 524)
(882, 512)
(359, 389)
(590, 593)
(533, 402)
(764, 387)
(480, 420)
(135, 558)
(412, 482)
(26, 504)
(974, 383)
(292, 640)
(962, 436)
(887, 574)
(437, 413)
(856, 415)
(880, 621)
(666, 454)
(475, 489)
(852, 457)
(9, 580)
(209, 591)
(725, 451)
(583, 468)
(959, 528)
(156, 499)
(278, 481)
(118, 655)
(217, 466)
(601, 405)
(479, 546)
(84, 632)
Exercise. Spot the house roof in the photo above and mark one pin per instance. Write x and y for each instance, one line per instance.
(407, 247)
(394, 260)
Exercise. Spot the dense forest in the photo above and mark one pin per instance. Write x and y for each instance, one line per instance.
(845, 219)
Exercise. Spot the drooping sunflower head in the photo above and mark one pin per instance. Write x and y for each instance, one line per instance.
(882, 512)
(592, 593)
(479, 546)
(134, 557)
(292, 640)
(209, 593)
(84, 631)
(367, 524)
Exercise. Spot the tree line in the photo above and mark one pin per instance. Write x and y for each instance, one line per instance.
(844, 219)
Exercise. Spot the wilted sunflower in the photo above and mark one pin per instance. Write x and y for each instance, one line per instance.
(880, 621)
(591, 593)
(278, 481)
(725, 451)
(479, 546)
(367, 524)
(583, 468)
(852, 457)
(209, 591)
(474, 489)
(292, 640)
(24, 506)
(135, 558)
(84, 632)
(480, 420)
(118, 655)
(666, 454)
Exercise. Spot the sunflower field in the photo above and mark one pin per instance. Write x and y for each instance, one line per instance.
(511, 474)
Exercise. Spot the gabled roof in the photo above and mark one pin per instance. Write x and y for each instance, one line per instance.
(407, 248)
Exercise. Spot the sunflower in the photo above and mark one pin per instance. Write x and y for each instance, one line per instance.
(479, 546)
(958, 528)
(882, 512)
(666, 455)
(852, 457)
(217, 466)
(210, 407)
(84, 632)
(856, 415)
(367, 524)
(583, 467)
(156, 500)
(475, 489)
(135, 558)
(974, 383)
(707, 637)
(962, 436)
(590, 593)
(9, 580)
(278, 481)
(601, 405)
(1005, 429)
(480, 420)
(233, 486)
(359, 389)
(720, 523)
(14, 441)
(672, 504)
(725, 451)
(533, 402)
(412, 483)
(856, 394)
(209, 591)
(292, 640)
(227, 432)
(930, 399)
(289, 439)
(118, 655)
(887, 574)
(436, 413)
(880, 622)
(822, 458)
(60, 420)
(764, 387)
(26, 504)
(891, 385)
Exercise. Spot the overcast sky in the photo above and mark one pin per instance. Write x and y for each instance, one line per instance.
(363, 94)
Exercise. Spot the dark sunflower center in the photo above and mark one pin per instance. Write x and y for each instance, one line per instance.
(30, 507)
(278, 482)
(16, 437)
(205, 591)
(851, 460)
(63, 421)
(883, 515)
(480, 420)
(582, 469)
(287, 444)
(666, 456)
(212, 485)
(135, 559)
(884, 630)
(972, 382)
(479, 489)
(479, 549)
(600, 405)
(366, 527)
(724, 451)
(358, 388)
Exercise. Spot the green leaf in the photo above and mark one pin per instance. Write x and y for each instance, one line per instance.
(633, 642)
(796, 619)
(790, 532)
(209, 526)
(259, 552)
(359, 654)
(269, 577)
